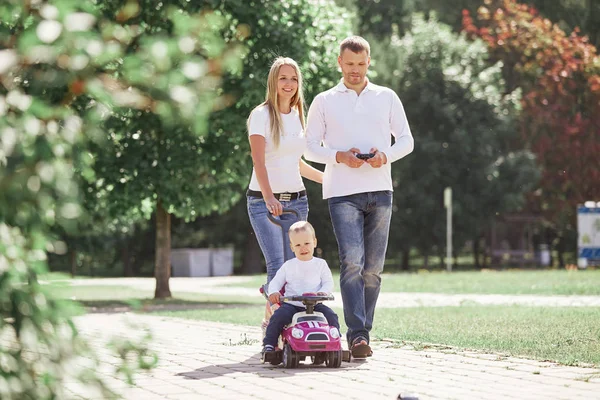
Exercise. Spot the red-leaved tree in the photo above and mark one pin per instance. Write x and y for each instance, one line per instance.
(560, 78)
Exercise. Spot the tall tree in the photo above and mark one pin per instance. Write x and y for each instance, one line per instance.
(463, 126)
(148, 167)
(560, 77)
(145, 163)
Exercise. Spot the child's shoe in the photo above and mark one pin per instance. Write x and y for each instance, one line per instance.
(266, 352)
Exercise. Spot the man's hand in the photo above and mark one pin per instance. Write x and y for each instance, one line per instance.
(274, 298)
(322, 294)
(378, 159)
(349, 158)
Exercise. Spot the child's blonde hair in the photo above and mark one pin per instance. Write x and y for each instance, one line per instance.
(302, 226)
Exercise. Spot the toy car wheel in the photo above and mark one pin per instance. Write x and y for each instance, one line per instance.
(334, 359)
(318, 359)
(290, 357)
(271, 357)
(276, 359)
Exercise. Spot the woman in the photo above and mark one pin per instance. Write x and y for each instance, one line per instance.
(277, 141)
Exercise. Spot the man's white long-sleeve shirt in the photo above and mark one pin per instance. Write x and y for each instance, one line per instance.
(302, 277)
(339, 119)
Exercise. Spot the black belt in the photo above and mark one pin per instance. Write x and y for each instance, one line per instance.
(279, 196)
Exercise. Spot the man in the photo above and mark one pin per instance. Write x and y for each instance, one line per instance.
(350, 129)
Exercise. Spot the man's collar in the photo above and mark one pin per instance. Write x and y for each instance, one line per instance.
(341, 87)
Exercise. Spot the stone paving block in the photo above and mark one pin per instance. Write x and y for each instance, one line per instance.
(139, 393)
(193, 396)
(168, 389)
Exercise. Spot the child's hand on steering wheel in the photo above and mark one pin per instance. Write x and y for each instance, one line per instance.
(274, 298)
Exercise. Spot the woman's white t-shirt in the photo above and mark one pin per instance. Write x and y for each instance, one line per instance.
(282, 163)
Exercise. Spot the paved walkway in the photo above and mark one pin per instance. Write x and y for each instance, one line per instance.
(206, 360)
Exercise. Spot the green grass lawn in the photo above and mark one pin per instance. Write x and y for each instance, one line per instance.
(543, 282)
(568, 335)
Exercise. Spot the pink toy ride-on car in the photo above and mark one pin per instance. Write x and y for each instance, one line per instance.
(308, 335)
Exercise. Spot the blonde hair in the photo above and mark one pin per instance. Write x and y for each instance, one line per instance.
(302, 226)
(272, 98)
(356, 44)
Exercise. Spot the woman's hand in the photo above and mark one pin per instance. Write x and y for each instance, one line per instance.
(274, 206)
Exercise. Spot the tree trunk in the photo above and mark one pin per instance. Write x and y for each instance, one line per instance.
(454, 260)
(405, 265)
(476, 253)
(561, 260)
(251, 263)
(486, 252)
(126, 259)
(162, 262)
(73, 260)
(560, 249)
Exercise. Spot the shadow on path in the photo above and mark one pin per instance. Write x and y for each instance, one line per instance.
(254, 366)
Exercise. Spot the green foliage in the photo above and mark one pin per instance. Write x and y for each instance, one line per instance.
(64, 71)
(572, 16)
(560, 77)
(37, 191)
(463, 127)
(382, 17)
(38, 337)
(196, 172)
(152, 151)
(134, 353)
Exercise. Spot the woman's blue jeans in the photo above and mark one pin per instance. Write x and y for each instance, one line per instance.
(268, 234)
(361, 223)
